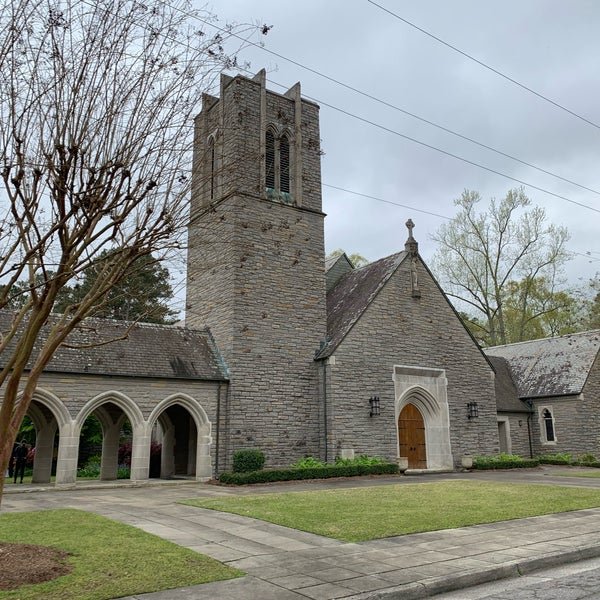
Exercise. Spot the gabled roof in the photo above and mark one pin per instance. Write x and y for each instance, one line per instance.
(550, 367)
(354, 291)
(148, 350)
(335, 268)
(507, 398)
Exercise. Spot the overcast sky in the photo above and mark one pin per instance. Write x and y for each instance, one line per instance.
(552, 47)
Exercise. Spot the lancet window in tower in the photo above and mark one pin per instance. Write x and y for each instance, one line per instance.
(270, 161)
(212, 167)
(277, 166)
(284, 164)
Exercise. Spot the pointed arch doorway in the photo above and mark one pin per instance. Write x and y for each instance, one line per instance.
(411, 434)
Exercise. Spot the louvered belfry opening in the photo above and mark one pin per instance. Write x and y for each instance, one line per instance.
(284, 165)
(270, 160)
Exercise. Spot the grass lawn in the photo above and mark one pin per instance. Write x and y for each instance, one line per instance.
(109, 559)
(591, 473)
(361, 514)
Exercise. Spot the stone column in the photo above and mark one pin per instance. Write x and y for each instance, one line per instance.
(68, 451)
(44, 447)
(140, 452)
(167, 456)
(203, 463)
(110, 452)
(192, 450)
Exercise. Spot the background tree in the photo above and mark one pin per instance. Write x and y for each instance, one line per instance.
(142, 294)
(358, 260)
(592, 320)
(96, 112)
(484, 258)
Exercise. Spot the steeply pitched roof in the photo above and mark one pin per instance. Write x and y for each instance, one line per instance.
(507, 398)
(335, 268)
(550, 367)
(149, 350)
(354, 291)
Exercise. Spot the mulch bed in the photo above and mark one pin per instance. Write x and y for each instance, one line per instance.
(22, 564)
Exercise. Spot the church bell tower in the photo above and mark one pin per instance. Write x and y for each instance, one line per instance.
(256, 262)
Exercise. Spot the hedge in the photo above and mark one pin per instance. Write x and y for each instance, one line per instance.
(269, 475)
(504, 461)
(247, 460)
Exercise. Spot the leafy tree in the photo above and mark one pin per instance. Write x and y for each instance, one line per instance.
(532, 311)
(593, 314)
(96, 111)
(142, 294)
(486, 257)
(358, 260)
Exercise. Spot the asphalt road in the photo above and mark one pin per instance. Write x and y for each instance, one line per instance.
(570, 582)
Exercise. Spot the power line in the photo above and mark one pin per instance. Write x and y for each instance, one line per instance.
(385, 102)
(484, 65)
(420, 210)
(430, 146)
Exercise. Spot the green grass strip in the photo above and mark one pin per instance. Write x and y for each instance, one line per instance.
(361, 514)
(109, 559)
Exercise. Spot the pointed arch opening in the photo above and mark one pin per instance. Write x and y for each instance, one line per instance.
(180, 439)
(40, 430)
(422, 417)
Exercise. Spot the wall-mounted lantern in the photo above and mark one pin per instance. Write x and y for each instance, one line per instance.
(374, 406)
(472, 410)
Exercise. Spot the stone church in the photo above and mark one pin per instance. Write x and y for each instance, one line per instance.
(280, 350)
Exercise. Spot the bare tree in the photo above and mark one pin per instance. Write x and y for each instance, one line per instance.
(96, 112)
(481, 253)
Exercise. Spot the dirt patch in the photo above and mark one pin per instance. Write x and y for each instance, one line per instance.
(22, 564)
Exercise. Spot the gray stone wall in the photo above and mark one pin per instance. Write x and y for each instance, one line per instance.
(519, 437)
(569, 426)
(256, 272)
(397, 329)
(590, 406)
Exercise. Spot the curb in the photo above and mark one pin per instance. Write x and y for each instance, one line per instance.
(517, 568)
(62, 487)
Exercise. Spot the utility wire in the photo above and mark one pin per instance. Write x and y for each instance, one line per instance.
(420, 210)
(484, 65)
(385, 102)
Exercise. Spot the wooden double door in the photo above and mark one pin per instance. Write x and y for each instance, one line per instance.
(411, 433)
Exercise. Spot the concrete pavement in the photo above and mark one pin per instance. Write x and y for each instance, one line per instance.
(283, 563)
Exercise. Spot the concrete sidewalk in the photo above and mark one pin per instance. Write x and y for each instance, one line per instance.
(283, 563)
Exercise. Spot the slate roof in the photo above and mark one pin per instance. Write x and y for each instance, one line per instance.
(550, 367)
(335, 268)
(507, 398)
(347, 301)
(164, 351)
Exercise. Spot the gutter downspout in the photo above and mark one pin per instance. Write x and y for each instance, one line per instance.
(218, 430)
(325, 432)
(530, 405)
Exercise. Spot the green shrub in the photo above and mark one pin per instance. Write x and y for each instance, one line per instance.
(270, 475)
(123, 473)
(504, 461)
(91, 469)
(308, 462)
(559, 458)
(586, 459)
(248, 460)
(363, 459)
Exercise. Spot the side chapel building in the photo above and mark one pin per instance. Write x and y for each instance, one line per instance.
(280, 351)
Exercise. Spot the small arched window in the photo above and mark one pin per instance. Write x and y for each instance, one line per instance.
(548, 423)
(284, 165)
(270, 161)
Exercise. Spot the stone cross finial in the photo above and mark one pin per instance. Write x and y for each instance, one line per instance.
(411, 245)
